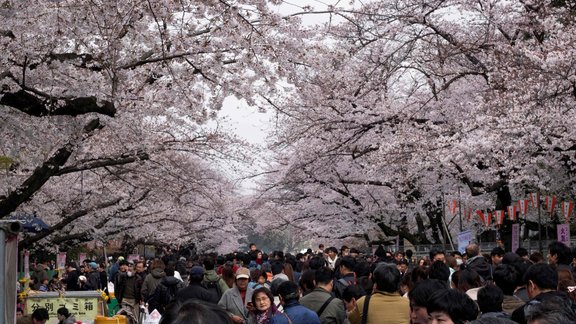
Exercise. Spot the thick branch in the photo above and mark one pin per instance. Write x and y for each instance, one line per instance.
(66, 221)
(7, 33)
(36, 103)
(42, 174)
(366, 182)
(450, 39)
(81, 237)
(103, 162)
(342, 192)
(85, 61)
(419, 238)
(474, 191)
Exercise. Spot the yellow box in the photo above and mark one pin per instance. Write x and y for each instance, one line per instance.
(117, 319)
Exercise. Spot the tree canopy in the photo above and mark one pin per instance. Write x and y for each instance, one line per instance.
(109, 114)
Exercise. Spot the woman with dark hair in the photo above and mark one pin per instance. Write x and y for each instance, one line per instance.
(306, 283)
(194, 312)
(419, 274)
(424, 262)
(55, 284)
(569, 287)
(228, 275)
(64, 316)
(362, 271)
(405, 284)
(254, 278)
(152, 279)
(289, 271)
(263, 307)
(468, 281)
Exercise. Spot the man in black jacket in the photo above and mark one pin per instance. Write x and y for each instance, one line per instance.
(103, 277)
(477, 262)
(195, 289)
(347, 265)
(541, 283)
(71, 279)
(165, 292)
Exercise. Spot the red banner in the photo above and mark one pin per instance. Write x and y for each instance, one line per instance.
(481, 215)
(523, 206)
(550, 204)
(567, 207)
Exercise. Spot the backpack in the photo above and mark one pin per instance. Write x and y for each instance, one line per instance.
(162, 296)
(340, 285)
(213, 288)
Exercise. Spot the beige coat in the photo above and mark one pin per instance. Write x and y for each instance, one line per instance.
(383, 308)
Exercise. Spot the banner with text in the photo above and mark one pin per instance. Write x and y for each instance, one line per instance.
(464, 238)
(515, 237)
(84, 308)
(564, 233)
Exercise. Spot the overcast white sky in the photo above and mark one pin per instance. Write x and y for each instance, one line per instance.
(247, 122)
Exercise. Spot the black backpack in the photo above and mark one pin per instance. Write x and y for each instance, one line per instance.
(162, 296)
(213, 288)
(340, 285)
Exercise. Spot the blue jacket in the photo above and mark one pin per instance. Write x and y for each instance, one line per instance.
(298, 315)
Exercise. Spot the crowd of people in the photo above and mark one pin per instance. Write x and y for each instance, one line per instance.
(340, 286)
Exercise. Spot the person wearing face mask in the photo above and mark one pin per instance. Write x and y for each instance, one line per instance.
(127, 291)
(458, 256)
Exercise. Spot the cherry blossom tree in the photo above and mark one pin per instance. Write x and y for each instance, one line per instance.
(107, 112)
(413, 100)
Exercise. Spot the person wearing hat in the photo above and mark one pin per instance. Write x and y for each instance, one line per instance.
(93, 276)
(83, 283)
(195, 289)
(236, 299)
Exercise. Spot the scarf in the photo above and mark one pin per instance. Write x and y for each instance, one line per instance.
(265, 317)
